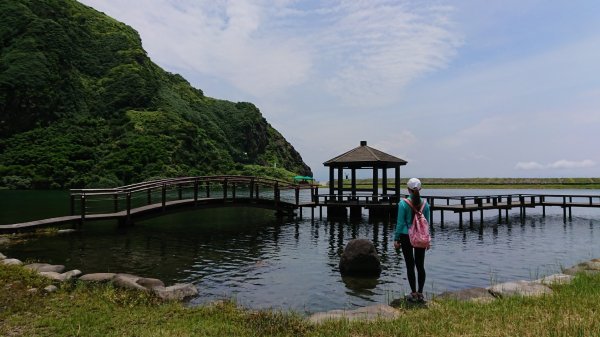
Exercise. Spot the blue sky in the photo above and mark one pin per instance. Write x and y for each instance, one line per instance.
(457, 88)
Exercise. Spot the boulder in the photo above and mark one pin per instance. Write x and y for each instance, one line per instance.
(370, 313)
(40, 267)
(128, 281)
(97, 277)
(519, 288)
(4, 241)
(53, 276)
(556, 279)
(150, 283)
(2, 256)
(360, 259)
(176, 292)
(11, 262)
(480, 295)
(588, 267)
(50, 289)
(71, 274)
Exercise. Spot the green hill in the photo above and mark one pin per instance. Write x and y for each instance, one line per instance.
(81, 104)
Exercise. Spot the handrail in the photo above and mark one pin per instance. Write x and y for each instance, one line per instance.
(143, 186)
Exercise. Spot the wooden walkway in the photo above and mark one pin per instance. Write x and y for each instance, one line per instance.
(457, 204)
(131, 203)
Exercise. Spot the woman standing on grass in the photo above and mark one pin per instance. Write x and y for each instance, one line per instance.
(412, 256)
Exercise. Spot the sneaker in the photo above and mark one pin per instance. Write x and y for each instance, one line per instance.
(420, 298)
(412, 297)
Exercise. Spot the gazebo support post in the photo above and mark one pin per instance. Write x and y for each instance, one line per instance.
(384, 186)
(353, 182)
(331, 185)
(375, 183)
(397, 183)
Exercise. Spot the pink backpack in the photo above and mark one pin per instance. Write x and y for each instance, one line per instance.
(419, 231)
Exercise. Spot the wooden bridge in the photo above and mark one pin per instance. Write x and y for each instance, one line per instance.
(135, 202)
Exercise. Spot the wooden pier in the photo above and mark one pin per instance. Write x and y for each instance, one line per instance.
(128, 204)
(384, 204)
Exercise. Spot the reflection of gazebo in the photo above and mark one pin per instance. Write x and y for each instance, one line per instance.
(364, 157)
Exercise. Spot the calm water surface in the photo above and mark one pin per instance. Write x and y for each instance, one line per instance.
(292, 264)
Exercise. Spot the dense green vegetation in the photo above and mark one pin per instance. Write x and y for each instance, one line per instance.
(81, 104)
(78, 309)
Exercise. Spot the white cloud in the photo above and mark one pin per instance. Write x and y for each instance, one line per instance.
(530, 165)
(560, 164)
(566, 164)
(363, 51)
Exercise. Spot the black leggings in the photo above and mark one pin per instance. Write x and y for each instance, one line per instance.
(413, 259)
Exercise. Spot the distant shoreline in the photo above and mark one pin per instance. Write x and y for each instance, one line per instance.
(492, 183)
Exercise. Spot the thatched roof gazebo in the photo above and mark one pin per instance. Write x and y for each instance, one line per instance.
(364, 157)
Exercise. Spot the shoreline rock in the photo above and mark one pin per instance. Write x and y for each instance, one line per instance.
(372, 312)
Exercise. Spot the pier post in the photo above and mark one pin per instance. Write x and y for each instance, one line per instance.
(72, 205)
(234, 185)
(208, 189)
(128, 208)
(471, 219)
(564, 206)
(116, 202)
(179, 192)
(149, 201)
(195, 191)
(442, 218)
(225, 189)
(431, 204)
(481, 217)
(252, 188)
(82, 199)
(543, 201)
(164, 197)
(460, 220)
(297, 195)
(570, 203)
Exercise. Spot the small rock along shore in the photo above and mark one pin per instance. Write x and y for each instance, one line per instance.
(182, 291)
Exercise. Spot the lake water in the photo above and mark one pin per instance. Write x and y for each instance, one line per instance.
(292, 264)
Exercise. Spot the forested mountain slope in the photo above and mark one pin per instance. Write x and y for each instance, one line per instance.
(81, 104)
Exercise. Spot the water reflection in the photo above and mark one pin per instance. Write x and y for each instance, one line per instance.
(267, 262)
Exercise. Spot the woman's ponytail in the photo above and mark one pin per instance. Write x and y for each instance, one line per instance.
(416, 198)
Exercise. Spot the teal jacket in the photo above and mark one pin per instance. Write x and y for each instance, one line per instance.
(405, 217)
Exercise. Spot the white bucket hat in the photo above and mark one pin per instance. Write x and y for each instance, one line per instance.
(414, 184)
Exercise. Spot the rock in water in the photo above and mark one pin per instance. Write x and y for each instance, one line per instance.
(360, 259)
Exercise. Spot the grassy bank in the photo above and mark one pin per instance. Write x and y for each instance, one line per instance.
(493, 183)
(101, 310)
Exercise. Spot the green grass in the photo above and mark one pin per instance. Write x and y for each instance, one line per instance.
(78, 309)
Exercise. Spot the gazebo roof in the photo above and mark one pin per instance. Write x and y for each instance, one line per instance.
(365, 155)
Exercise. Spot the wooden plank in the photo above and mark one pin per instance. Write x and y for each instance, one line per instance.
(40, 223)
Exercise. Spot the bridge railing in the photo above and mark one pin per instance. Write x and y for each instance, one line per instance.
(226, 187)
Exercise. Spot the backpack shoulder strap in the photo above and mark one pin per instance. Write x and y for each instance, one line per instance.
(410, 204)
